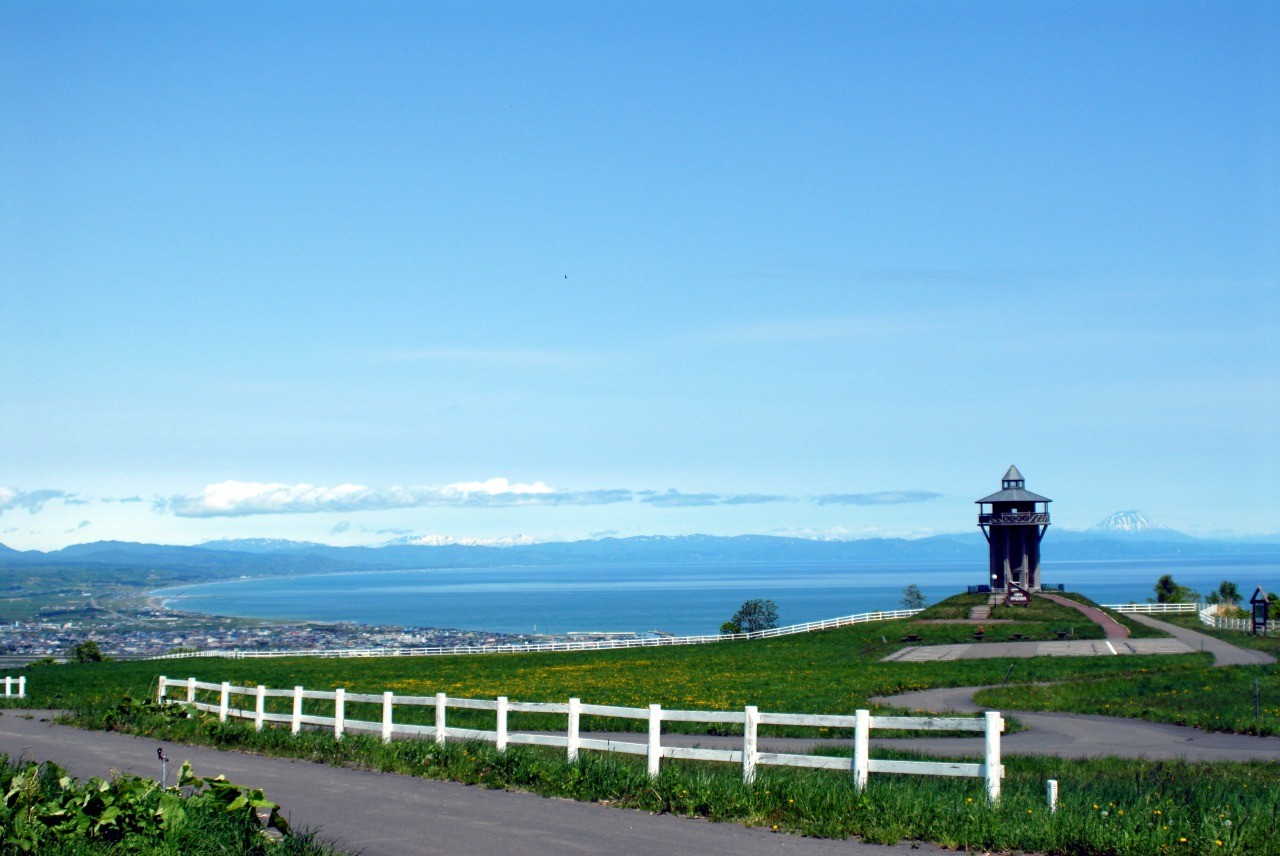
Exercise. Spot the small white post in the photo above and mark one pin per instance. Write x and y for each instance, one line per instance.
(295, 724)
(339, 712)
(1051, 794)
(655, 739)
(191, 690)
(861, 748)
(224, 701)
(22, 687)
(160, 691)
(575, 726)
(441, 703)
(750, 727)
(259, 708)
(501, 737)
(388, 701)
(991, 766)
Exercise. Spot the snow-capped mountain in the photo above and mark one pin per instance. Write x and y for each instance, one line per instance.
(258, 545)
(451, 541)
(1135, 523)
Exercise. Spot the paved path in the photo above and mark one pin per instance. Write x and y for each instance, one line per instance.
(1006, 650)
(1114, 629)
(384, 814)
(1073, 735)
(1224, 653)
(1076, 735)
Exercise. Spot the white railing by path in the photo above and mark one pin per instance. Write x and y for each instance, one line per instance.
(1217, 622)
(599, 645)
(20, 683)
(1152, 608)
(860, 764)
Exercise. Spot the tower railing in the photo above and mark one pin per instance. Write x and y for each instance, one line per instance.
(1014, 518)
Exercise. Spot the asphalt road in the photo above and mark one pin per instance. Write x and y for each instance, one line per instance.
(383, 814)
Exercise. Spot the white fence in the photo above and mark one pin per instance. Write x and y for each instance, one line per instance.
(600, 645)
(1217, 622)
(20, 683)
(860, 765)
(1152, 608)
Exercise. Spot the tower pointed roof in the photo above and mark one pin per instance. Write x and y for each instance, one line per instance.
(1013, 490)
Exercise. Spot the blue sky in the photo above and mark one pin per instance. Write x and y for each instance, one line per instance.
(355, 271)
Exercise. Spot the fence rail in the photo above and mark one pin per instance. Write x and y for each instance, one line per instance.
(252, 705)
(1217, 622)
(600, 645)
(20, 683)
(1152, 608)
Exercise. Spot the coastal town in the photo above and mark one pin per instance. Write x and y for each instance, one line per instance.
(156, 632)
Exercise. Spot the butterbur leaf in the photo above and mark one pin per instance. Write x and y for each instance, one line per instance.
(171, 813)
(186, 778)
(277, 820)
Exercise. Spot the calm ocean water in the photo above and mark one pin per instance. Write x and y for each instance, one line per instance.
(680, 599)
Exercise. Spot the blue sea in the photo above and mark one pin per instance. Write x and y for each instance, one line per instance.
(671, 598)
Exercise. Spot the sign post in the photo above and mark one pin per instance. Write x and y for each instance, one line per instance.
(1017, 596)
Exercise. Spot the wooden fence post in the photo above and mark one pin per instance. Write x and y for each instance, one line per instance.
(750, 727)
(224, 701)
(655, 739)
(575, 725)
(295, 724)
(339, 712)
(991, 767)
(22, 687)
(8, 686)
(260, 708)
(861, 748)
(388, 726)
(159, 691)
(442, 702)
(191, 690)
(500, 739)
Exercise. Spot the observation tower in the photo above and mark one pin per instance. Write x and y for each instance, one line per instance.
(1013, 526)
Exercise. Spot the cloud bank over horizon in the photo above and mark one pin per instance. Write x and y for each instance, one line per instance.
(234, 498)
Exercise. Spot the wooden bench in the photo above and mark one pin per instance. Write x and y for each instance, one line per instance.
(1063, 634)
(1018, 637)
(977, 635)
(912, 637)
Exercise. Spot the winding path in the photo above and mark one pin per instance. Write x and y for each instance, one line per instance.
(1073, 735)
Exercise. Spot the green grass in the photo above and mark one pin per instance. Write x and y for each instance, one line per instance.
(1215, 699)
(835, 671)
(1210, 698)
(1149, 806)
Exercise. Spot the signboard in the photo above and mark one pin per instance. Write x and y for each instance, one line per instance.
(1261, 605)
(1017, 596)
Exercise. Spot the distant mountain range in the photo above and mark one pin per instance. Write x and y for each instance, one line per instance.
(1124, 535)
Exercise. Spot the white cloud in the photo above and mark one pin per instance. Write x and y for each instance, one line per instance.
(237, 498)
(12, 498)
